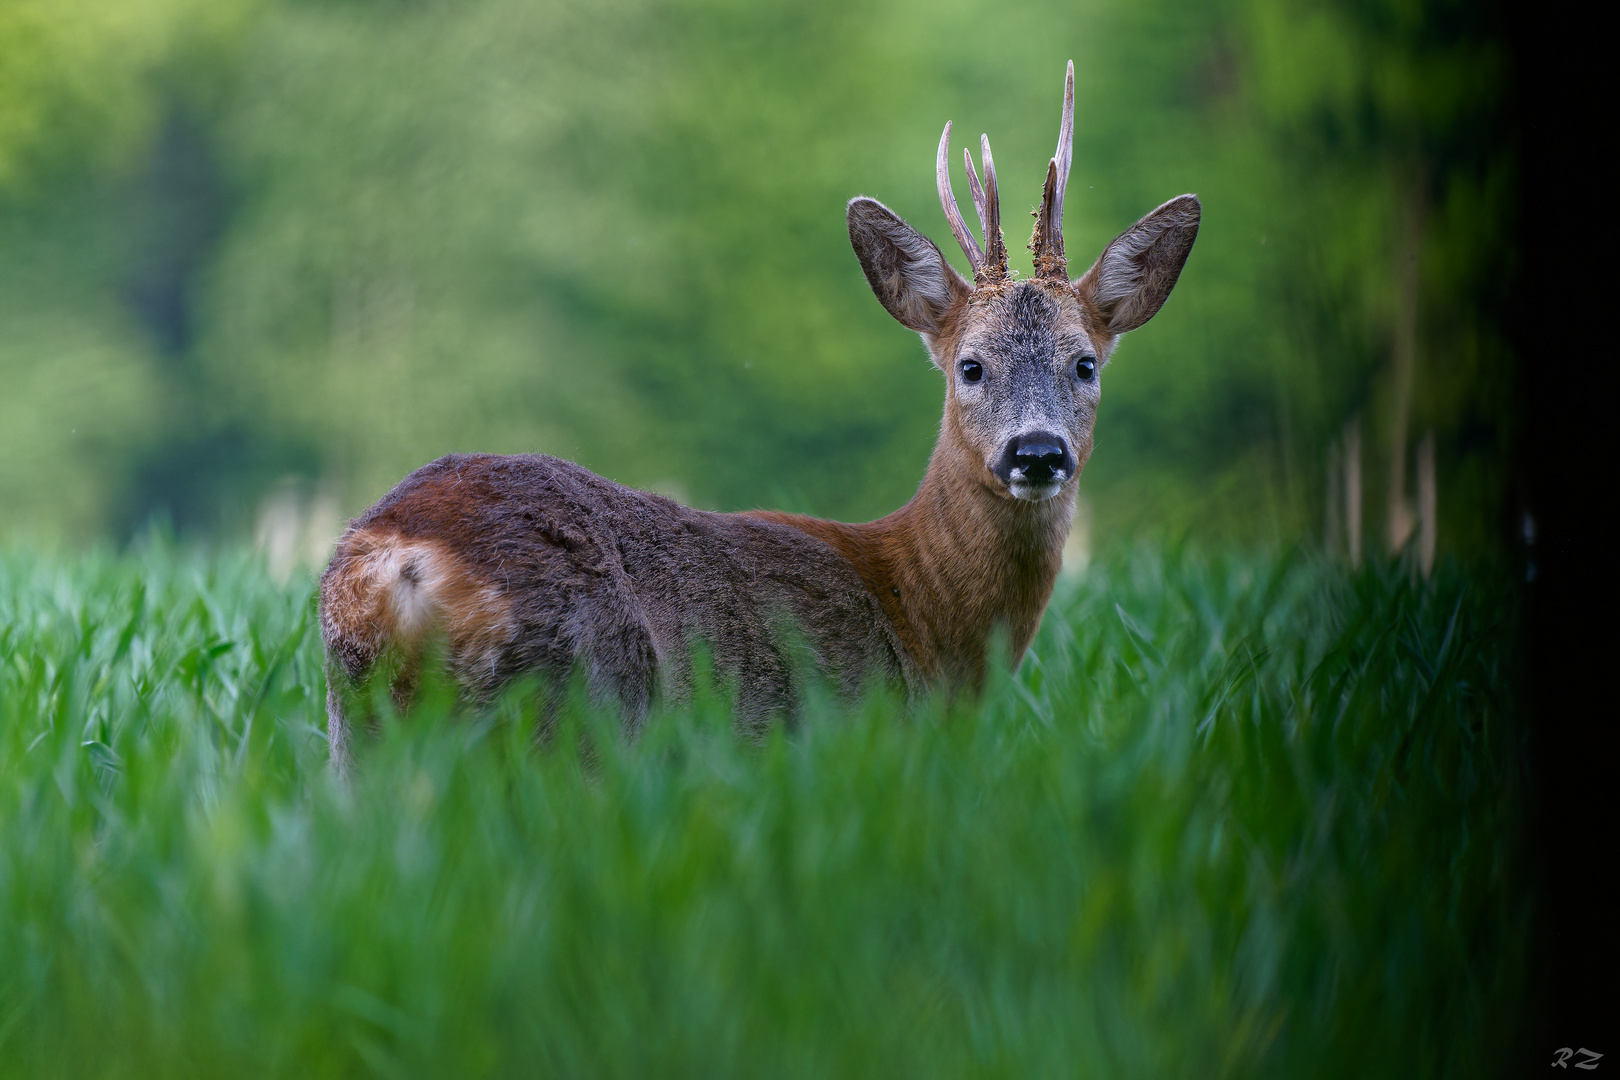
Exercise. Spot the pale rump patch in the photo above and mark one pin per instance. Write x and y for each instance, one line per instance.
(387, 591)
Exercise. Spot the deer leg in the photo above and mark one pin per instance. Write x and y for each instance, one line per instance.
(338, 733)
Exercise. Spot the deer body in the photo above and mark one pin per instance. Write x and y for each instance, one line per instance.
(529, 564)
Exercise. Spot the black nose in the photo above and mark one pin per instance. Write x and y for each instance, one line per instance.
(1038, 457)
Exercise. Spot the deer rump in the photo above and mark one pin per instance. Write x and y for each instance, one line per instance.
(533, 565)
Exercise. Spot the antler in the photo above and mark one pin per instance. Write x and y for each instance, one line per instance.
(989, 264)
(995, 248)
(1047, 241)
(947, 198)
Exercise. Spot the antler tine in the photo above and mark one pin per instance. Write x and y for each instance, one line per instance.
(974, 188)
(1047, 242)
(1065, 151)
(995, 249)
(947, 199)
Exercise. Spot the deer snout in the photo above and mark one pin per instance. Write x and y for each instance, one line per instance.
(1034, 465)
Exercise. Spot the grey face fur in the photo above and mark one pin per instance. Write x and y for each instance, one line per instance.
(1024, 378)
(1012, 351)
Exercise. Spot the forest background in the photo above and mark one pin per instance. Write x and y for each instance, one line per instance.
(275, 253)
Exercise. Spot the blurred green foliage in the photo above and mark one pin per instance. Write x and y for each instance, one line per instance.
(1248, 816)
(247, 239)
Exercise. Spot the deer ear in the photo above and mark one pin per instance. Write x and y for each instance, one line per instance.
(906, 271)
(1130, 280)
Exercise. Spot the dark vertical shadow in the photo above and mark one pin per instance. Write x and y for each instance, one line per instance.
(181, 208)
(1566, 348)
(204, 474)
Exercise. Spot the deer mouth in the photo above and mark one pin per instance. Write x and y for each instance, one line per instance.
(1028, 490)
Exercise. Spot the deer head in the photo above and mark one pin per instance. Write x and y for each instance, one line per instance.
(1021, 358)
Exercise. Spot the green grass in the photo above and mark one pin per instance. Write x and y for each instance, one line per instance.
(1234, 816)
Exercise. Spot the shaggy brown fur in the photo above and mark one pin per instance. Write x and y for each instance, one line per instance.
(531, 564)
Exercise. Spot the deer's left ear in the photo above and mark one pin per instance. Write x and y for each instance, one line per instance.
(1130, 280)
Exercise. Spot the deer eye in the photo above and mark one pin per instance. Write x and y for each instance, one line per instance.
(972, 371)
(1085, 368)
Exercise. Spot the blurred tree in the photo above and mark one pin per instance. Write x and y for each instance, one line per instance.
(85, 90)
(1391, 118)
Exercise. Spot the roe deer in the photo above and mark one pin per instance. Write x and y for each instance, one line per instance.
(530, 564)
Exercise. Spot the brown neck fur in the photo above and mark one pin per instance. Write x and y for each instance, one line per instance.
(956, 562)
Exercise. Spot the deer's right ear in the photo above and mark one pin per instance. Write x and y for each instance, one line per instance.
(906, 271)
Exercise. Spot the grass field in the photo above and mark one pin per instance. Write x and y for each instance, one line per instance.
(1235, 815)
